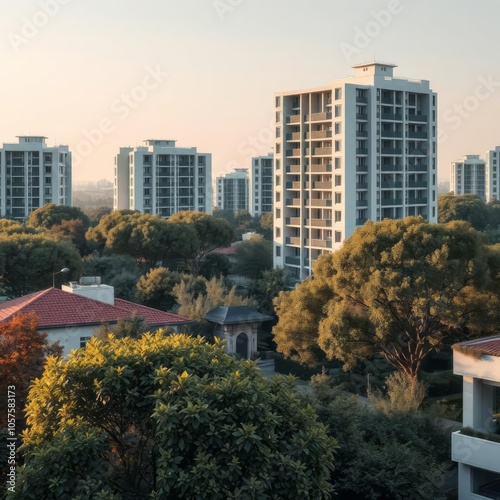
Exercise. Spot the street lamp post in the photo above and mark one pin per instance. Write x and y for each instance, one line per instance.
(63, 270)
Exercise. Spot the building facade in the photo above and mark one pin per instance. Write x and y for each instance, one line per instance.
(360, 148)
(492, 172)
(33, 174)
(260, 185)
(468, 176)
(232, 190)
(162, 179)
(476, 448)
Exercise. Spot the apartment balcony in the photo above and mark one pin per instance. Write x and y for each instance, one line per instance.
(296, 136)
(292, 261)
(417, 184)
(391, 151)
(321, 169)
(417, 118)
(319, 243)
(362, 100)
(417, 168)
(417, 201)
(391, 102)
(293, 241)
(293, 169)
(319, 117)
(361, 185)
(293, 221)
(391, 184)
(314, 202)
(319, 222)
(293, 152)
(389, 202)
(391, 133)
(417, 152)
(296, 186)
(361, 168)
(319, 134)
(293, 202)
(361, 203)
(391, 168)
(360, 222)
(475, 452)
(293, 119)
(323, 151)
(362, 116)
(361, 151)
(417, 135)
(361, 133)
(391, 116)
(322, 185)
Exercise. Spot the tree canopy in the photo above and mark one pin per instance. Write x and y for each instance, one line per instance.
(400, 288)
(468, 207)
(51, 214)
(253, 256)
(169, 417)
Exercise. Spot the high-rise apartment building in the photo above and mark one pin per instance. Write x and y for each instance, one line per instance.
(260, 185)
(360, 148)
(33, 174)
(492, 172)
(163, 179)
(232, 190)
(468, 176)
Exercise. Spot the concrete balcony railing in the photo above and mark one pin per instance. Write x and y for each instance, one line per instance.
(320, 203)
(322, 151)
(293, 241)
(320, 243)
(293, 221)
(293, 202)
(391, 133)
(316, 117)
(319, 222)
(417, 201)
(391, 116)
(293, 119)
(319, 134)
(417, 118)
(417, 168)
(295, 136)
(293, 169)
(318, 169)
(475, 452)
(322, 185)
(417, 184)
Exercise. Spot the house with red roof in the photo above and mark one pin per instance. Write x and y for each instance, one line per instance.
(72, 314)
(476, 447)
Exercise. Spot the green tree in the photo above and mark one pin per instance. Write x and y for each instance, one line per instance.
(253, 256)
(51, 214)
(74, 230)
(391, 454)
(468, 207)
(228, 215)
(212, 233)
(214, 265)
(400, 288)
(29, 261)
(96, 214)
(169, 417)
(266, 226)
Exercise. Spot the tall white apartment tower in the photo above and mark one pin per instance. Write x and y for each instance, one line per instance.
(260, 185)
(33, 174)
(163, 179)
(492, 172)
(232, 190)
(360, 148)
(468, 176)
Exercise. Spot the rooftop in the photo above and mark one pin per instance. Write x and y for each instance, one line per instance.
(485, 346)
(236, 314)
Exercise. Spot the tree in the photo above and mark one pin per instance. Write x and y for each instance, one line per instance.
(212, 233)
(51, 214)
(195, 304)
(382, 454)
(29, 261)
(74, 230)
(266, 288)
(96, 214)
(468, 207)
(253, 256)
(22, 356)
(215, 265)
(400, 288)
(266, 224)
(228, 215)
(169, 417)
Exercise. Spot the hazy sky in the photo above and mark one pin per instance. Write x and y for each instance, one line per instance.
(97, 75)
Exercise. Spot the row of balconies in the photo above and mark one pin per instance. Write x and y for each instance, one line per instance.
(295, 221)
(315, 134)
(309, 242)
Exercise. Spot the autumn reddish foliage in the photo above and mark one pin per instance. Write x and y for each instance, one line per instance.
(22, 357)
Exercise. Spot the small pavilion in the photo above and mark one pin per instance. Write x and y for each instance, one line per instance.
(238, 326)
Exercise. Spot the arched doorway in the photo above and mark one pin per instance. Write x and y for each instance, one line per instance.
(242, 345)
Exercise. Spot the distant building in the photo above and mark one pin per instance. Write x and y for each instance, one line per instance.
(163, 179)
(477, 449)
(232, 190)
(468, 176)
(492, 172)
(73, 314)
(359, 148)
(33, 174)
(260, 185)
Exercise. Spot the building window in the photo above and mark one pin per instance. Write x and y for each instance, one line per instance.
(278, 180)
(83, 342)
(278, 251)
(338, 110)
(338, 127)
(338, 94)
(338, 145)
(278, 232)
(338, 236)
(338, 197)
(338, 216)
(338, 180)
(278, 197)
(278, 213)
(278, 102)
(337, 162)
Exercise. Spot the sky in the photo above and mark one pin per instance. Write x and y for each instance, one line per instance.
(98, 75)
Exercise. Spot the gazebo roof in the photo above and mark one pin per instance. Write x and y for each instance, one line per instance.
(236, 314)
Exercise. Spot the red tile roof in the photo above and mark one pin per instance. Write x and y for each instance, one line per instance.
(57, 308)
(489, 346)
(227, 250)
